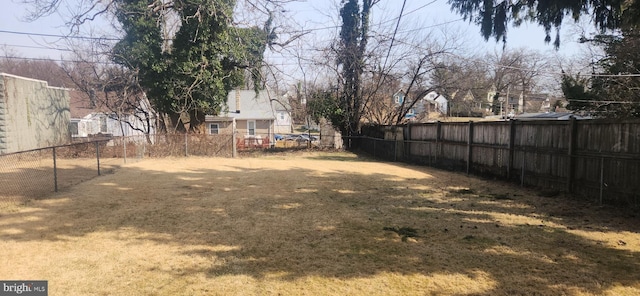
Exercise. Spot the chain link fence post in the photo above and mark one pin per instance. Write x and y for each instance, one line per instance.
(98, 155)
(55, 171)
(124, 145)
(186, 144)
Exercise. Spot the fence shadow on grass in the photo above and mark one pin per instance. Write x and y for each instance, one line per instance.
(343, 225)
(22, 184)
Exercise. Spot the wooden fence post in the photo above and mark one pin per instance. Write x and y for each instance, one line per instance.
(470, 147)
(512, 141)
(438, 144)
(572, 140)
(524, 166)
(601, 178)
(407, 144)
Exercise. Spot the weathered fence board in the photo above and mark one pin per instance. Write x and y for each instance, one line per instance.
(596, 159)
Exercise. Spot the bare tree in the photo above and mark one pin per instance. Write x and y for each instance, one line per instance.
(41, 69)
(112, 90)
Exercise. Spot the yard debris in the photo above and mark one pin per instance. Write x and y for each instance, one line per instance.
(404, 232)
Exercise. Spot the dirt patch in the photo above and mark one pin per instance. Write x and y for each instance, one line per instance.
(314, 224)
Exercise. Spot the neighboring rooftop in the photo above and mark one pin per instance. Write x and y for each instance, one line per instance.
(247, 104)
(549, 115)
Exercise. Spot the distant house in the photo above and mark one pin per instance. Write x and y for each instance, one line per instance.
(400, 100)
(398, 97)
(32, 114)
(284, 122)
(255, 116)
(467, 103)
(538, 102)
(90, 118)
(439, 102)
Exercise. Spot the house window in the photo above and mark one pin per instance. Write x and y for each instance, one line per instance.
(214, 128)
(399, 98)
(73, 128)
(282, 116)
(251, 127)
(103, 124)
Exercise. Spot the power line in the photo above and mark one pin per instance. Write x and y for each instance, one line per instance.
(59, 36)
(35, 47)
(374, 25)
(33, 59)
(410, 12)
(432, 26)
(395, 32)
(523, 68)
(283, 32)
(55, 60)
(399, 41)
(304, 31)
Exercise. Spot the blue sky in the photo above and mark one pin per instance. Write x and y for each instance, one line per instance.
(12, 19)
(435, 14)
(310, 14)
(419, 18)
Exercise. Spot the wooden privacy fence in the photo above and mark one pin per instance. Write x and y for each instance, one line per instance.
(596, 159)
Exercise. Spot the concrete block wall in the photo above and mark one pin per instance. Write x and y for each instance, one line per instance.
(32, 114)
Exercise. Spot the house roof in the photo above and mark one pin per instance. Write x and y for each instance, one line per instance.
(434, 96)
(247, 104)
(281, 104)
(548, 116)
(79, 104)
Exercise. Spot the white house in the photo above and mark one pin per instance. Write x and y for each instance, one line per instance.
(88, 119)
(256, 116)
(284, 122)
(440, 103)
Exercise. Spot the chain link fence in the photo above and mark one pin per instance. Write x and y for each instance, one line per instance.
(35, 174)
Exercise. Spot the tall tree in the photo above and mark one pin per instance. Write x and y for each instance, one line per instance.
(115, 91)
(187, 53)
(353, 44)
(191, 75)
(494, 16)
(612, 89)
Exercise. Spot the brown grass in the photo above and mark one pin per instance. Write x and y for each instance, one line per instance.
(314, 224)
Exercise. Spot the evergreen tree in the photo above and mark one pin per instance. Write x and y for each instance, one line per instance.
(353, 44)
(612, 91)
(494, 16)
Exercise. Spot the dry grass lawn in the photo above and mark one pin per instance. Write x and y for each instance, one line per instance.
(314, 224)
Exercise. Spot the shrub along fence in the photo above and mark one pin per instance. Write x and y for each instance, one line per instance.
(596, 159)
